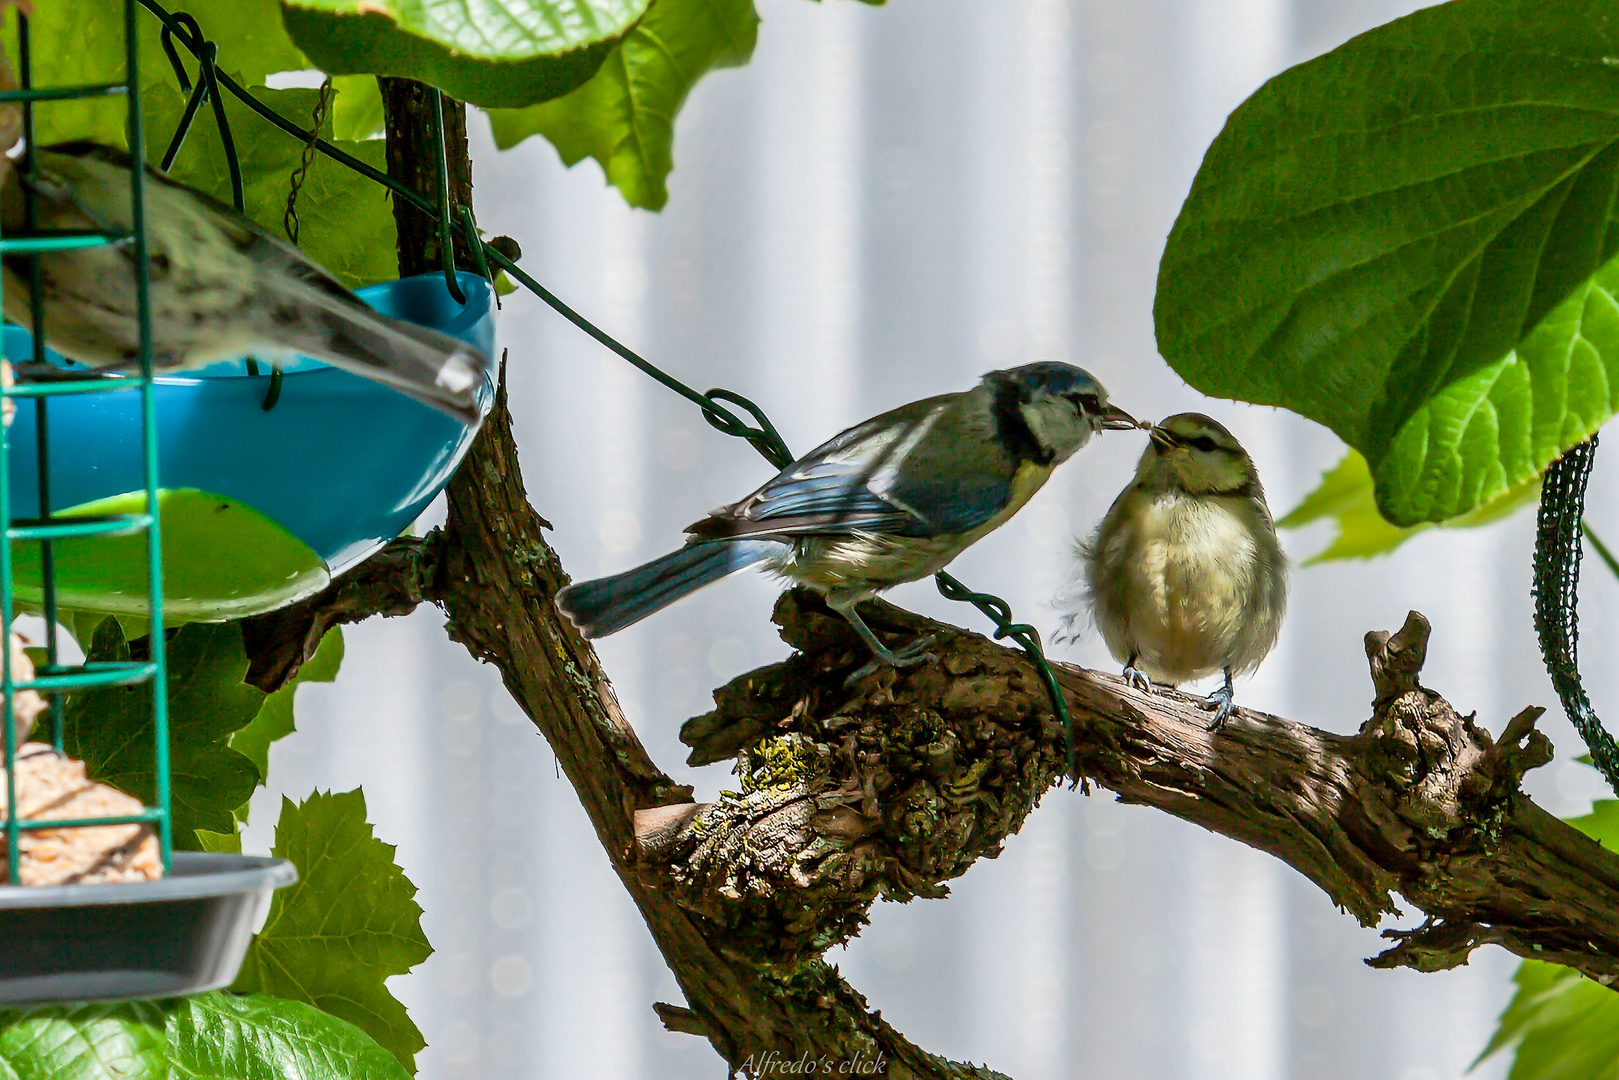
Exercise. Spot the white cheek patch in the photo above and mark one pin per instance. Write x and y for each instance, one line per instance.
(1056, 426)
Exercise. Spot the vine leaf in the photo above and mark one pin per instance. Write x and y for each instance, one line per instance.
(110, 729)
(624, 117)
(349, 923)
(499, 54)
(1411, 239)
(259, 1037)
(85, 1042)
(207, 1037)
(1346, 498)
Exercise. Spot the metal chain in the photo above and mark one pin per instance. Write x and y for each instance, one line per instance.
(289, 220)
(1556, 592)
(761, 435)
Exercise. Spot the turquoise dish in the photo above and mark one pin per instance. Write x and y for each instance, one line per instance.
(260, 507)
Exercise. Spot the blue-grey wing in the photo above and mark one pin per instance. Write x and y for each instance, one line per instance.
(909, 472)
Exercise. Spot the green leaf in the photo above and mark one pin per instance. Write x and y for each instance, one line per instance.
(110, 729)
(624, 117)
(347, 220)
(208, 1037)
(1411, 240)
(275, 717)
(259, 1037)
(84, 1042)
(1563, 1026)
(82, 41)
(357, 113)
(227, 843)
(498, 54)
(349, 923)
(1345, 497)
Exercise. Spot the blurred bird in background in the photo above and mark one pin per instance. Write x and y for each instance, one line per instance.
(1184, 577)
(221, 286)
(888, 501)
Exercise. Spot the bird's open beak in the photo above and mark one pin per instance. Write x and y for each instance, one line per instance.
(1161, 438)
(1116, 419)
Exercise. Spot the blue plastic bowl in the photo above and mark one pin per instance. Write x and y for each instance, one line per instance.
(341, 465)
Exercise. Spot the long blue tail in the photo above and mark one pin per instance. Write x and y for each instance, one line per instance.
(607, 605)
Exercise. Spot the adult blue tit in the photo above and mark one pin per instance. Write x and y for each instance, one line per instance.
(220, 286)
(888, 501)
(1184, 576)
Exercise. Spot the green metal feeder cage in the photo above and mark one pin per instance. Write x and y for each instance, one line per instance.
(187, 932)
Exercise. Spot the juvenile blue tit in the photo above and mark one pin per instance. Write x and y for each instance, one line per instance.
(1184, 577)
(221, 286)
(891, 500)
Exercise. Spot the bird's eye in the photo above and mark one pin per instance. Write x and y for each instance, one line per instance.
(1089, 403)
(1203, 443)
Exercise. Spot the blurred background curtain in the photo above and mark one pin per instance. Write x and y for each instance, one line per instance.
(884, 204)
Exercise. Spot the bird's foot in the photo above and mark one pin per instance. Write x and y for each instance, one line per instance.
(911, 655)
(1137, 679)
(1222, 704)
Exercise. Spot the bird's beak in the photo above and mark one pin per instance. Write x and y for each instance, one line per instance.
(1162, 439)
(1114, 418)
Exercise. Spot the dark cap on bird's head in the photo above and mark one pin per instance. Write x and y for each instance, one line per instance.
(1055, 379)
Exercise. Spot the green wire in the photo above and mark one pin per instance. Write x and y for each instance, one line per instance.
(1600, 548)
(762, 435)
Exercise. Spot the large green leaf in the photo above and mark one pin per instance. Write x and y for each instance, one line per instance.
(84, 1042)
(207, 1037)
(110, 729)
(500, 54)
(259, 1037)
(349, 923)
(624, 117)
(1345, 497)
(275, 717)
(1411, 239)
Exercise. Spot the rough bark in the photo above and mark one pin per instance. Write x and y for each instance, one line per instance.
(898, 783)
(918, 772)
(413, 159)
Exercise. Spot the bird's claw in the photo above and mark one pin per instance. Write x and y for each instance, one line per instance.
(913, 655)
(1222, 704)
(1137, 679)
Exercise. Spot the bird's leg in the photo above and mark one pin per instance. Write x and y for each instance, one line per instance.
(1221, 702)
(1134, 677)
(911, 655)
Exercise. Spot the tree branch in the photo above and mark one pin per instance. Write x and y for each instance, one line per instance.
(895, 785)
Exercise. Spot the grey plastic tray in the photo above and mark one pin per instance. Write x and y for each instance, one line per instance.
(182, 935)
